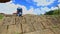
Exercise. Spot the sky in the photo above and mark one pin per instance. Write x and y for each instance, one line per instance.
(36, 7)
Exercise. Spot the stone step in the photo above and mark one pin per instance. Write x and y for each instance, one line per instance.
(8, 21)
(3, 30)
(27, 28)
(13, 29)
(56, 30)
(46, 31)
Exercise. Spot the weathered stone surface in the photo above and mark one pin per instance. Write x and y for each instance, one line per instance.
(8, 21)
(3, 29)
(47, 31)
(30, 24)
(13, 29)
(27, 28)
(38, 26)
(56, 30)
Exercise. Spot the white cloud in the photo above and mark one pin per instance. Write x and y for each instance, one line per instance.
(59, 5)
(25, 11)
(54, 8)
(37, 11)
(7, 8)
(42, 10)
(45, 9)
(58, 0)
(10, 8)
(43, 2)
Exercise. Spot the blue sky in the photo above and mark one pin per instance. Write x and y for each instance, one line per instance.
(28, 3)
(29, 6)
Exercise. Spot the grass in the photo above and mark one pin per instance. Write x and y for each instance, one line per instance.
(1, 16)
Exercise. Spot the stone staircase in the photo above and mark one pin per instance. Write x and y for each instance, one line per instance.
(30, 24)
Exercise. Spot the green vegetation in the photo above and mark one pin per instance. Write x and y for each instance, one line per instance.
(53, 12)
(1, 16)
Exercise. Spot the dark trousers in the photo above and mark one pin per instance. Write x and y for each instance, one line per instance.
(19, 15)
